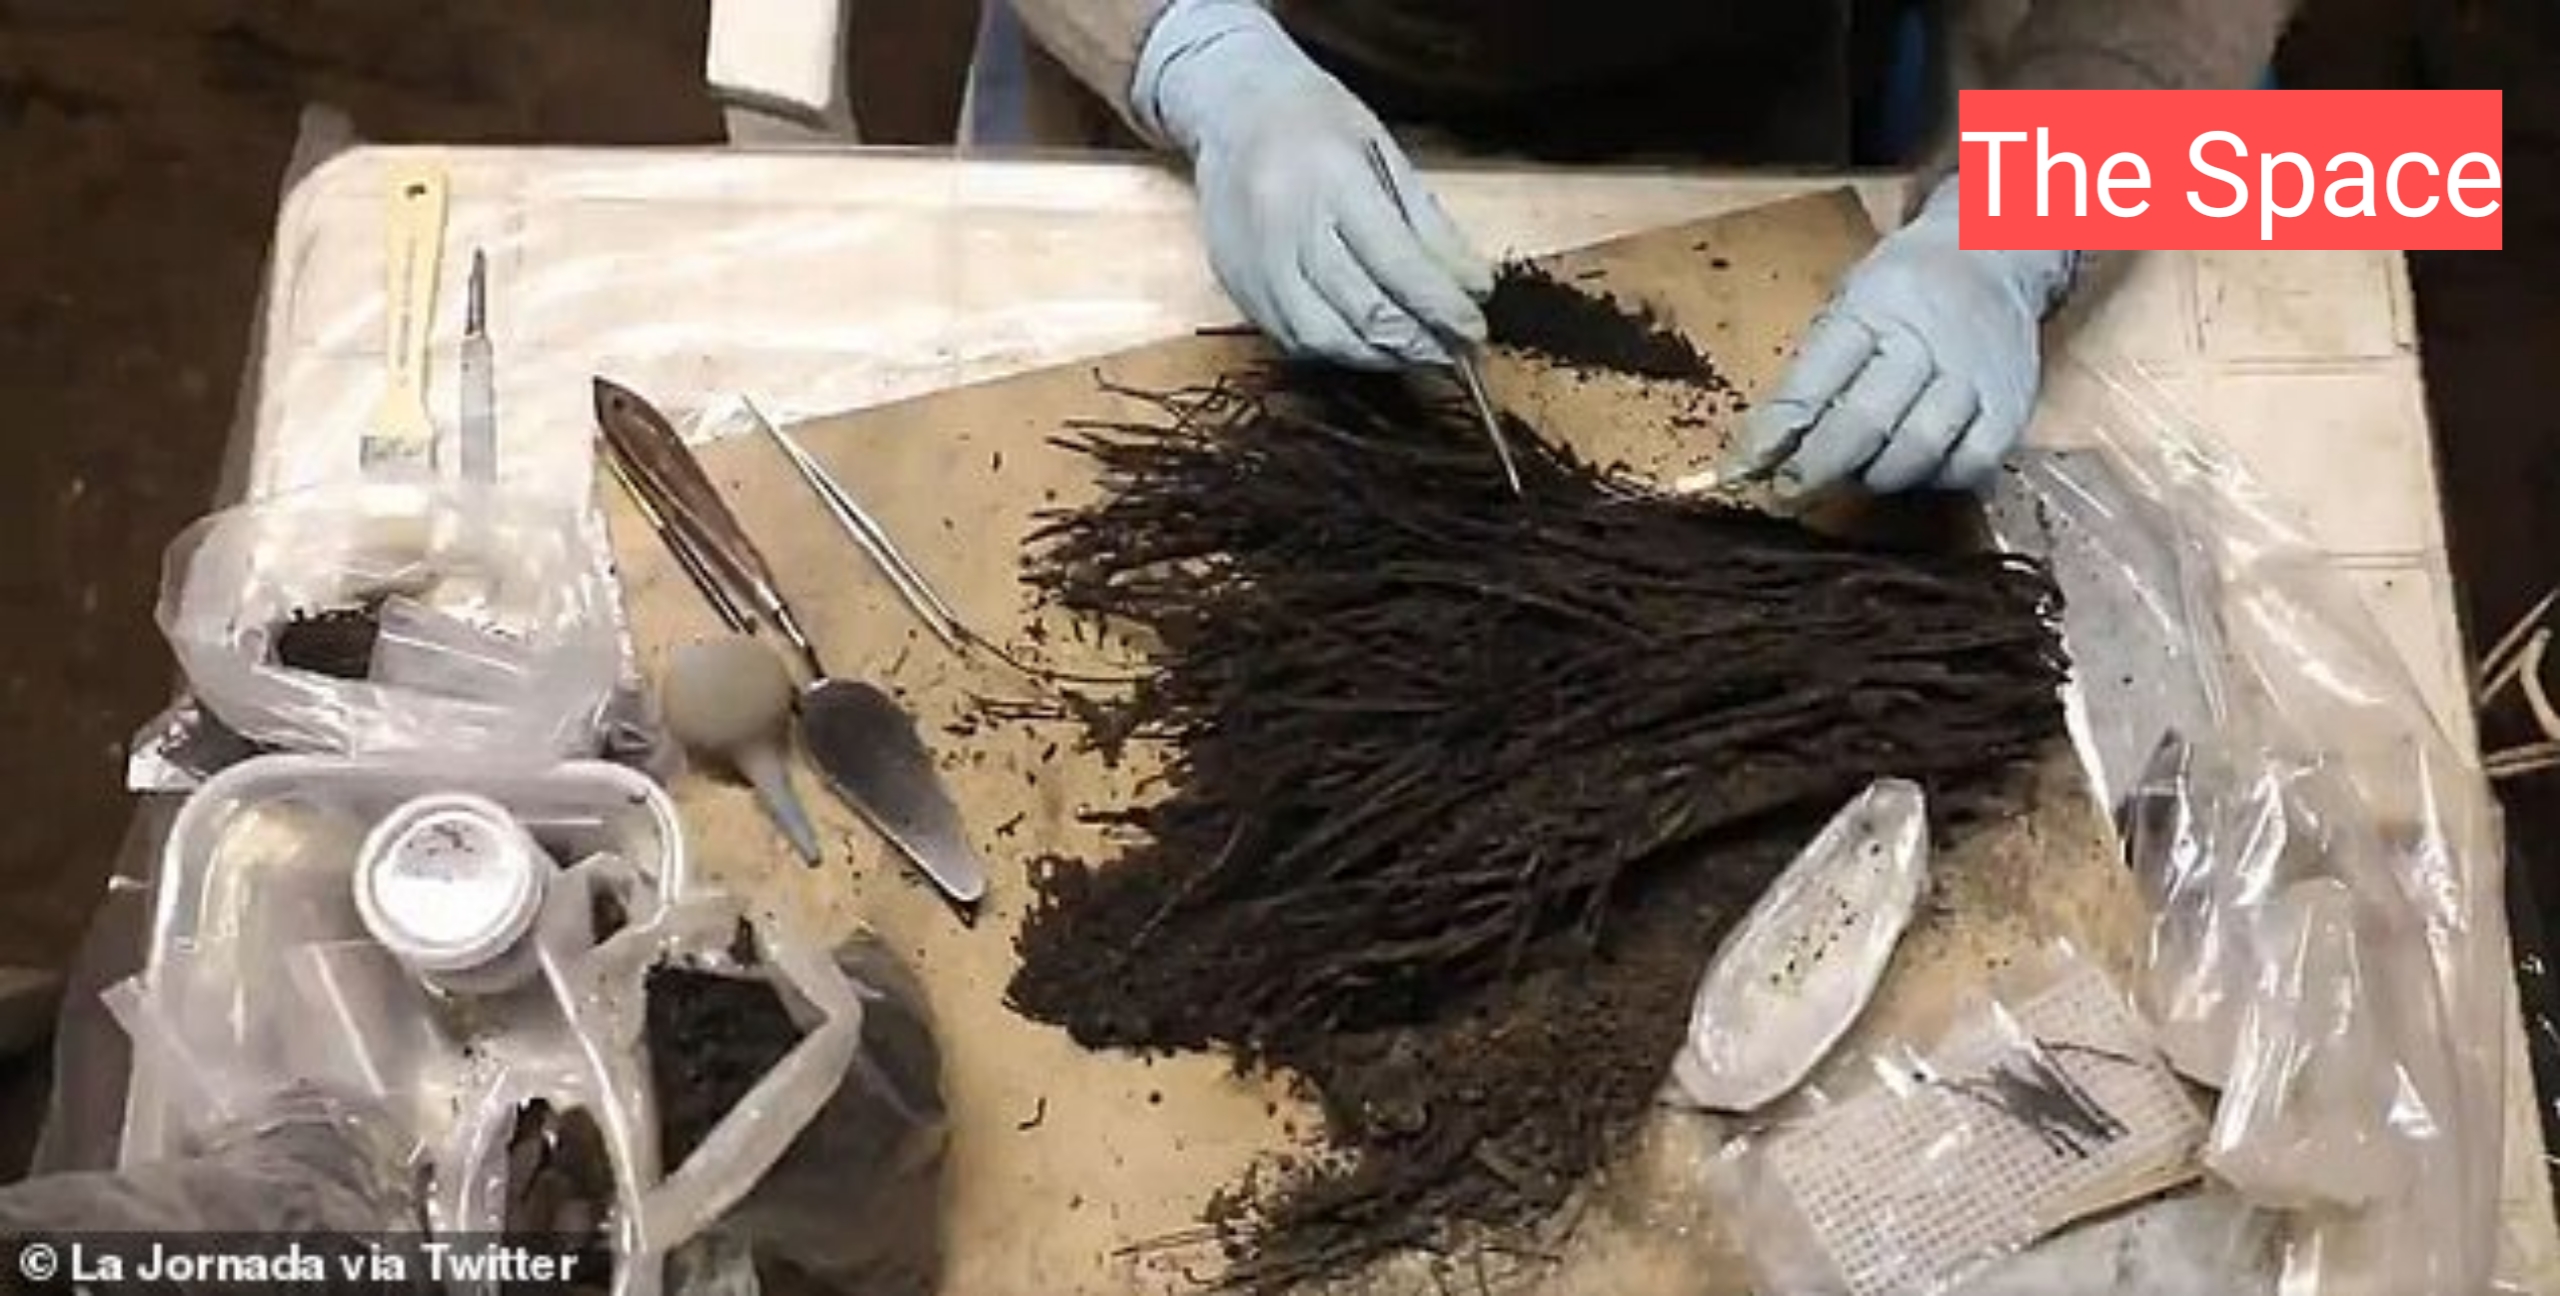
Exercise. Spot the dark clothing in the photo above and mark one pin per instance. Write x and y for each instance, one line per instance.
(1716, 81)
(1513, 48)
(1718, 77)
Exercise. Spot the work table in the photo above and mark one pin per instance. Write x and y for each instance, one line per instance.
(820, 282)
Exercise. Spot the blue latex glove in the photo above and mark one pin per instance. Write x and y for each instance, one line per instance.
(1293, 174)
(1922, 371)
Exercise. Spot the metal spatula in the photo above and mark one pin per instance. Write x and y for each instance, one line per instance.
(866, 746)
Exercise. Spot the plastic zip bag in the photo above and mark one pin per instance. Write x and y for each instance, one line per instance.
(828, 1164)
(2273, 982)
(2209, 835)
(503, 610)
(854, 1205)
(2271, 661)
(2307, 1120)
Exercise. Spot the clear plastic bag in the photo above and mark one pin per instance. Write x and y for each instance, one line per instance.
(828, 1165)
(2271, 980)
(854, 1205)
(505, 643)
(2318, 759)
(2138, 644)
(2307, 1120)
(2208, 834)
(308, 1163)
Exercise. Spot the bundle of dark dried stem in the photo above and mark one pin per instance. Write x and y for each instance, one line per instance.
(1462, 786)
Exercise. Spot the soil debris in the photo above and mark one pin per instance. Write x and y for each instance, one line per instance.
(1534, 311)
(337, 642)
(711, 1037)
(852, 1207)
(1461, 787)
(560, 1185)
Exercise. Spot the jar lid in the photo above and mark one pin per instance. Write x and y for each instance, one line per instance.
(448, 882)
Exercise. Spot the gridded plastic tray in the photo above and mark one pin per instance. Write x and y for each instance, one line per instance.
(1907, 1185)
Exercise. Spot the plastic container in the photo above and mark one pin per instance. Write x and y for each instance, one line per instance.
(503, 642)
(257, 949)
(451, 884)
(262, 984)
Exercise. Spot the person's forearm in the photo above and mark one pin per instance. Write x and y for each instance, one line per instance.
(1097, 40)
(2143, 44)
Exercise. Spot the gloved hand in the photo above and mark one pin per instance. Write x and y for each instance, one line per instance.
(1293, 174)
(1921, 371)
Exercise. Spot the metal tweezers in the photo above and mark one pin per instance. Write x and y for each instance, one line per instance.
(1462, 354)
(911, 585)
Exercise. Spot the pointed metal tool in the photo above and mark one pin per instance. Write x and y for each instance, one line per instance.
(1463, 354)
(696, 568)
(660, 463)
(1742, 471)
(868, 535)
(479, 422)
(863, 743)
(1472, 377)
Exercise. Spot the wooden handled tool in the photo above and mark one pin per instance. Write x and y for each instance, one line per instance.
(403, 435)
(661, 465)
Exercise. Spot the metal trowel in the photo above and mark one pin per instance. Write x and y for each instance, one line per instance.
(863, 743)
(867, 748)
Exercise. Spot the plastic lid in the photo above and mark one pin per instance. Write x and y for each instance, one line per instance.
(449, 882)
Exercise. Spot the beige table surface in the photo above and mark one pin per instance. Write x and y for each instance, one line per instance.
(830, 281)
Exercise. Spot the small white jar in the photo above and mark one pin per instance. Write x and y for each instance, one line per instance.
(451, 884)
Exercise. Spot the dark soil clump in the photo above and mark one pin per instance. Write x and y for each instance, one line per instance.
(711, 1037)
(1463, 786)
(1496, 1110)
(337, 642)
(560, 1185)
(1534, 311)
(853, 1206)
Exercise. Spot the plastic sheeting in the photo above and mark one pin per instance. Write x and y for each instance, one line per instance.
(818, 285)
(2329, 944)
